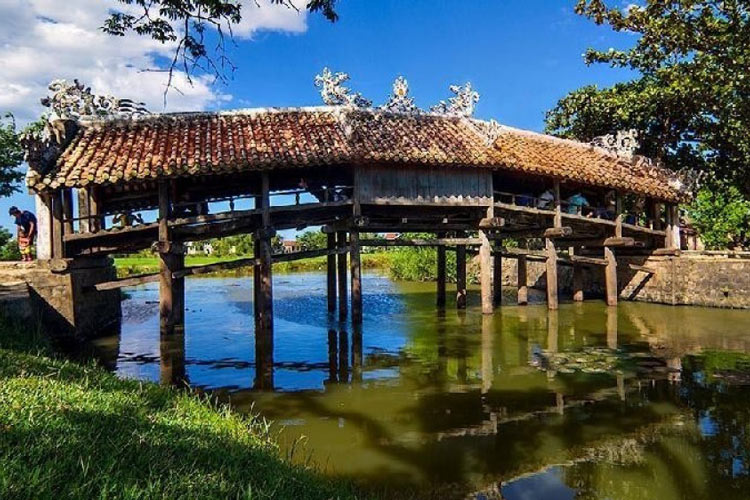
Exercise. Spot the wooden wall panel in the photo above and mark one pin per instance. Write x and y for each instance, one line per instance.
(382, 185)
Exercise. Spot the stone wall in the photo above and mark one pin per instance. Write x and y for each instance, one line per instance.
(688, 279)
(59, 295)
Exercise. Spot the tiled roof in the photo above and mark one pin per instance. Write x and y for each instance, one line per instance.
(177, 145)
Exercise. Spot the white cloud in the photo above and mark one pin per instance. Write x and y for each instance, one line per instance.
(41, 40)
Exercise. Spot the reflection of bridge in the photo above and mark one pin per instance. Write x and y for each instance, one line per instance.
(351, 171)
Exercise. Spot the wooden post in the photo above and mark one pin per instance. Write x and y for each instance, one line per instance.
(178, 294)
(618, 215)
(166, 288)
(67, 205)
(523, 288)
(343, 309)
(441, 277)
(354, 257)
(356, 275)
(84, 224)
(343, 356)
(57, 226)
(485, 266)
(577, 279)
(357, 357)
(461, 275)
(331, 271)
(577, 283)
(558, 204)
(610, 276)
(668, 240)
(95, 211)
(657, 215)
(264, 295)
(497, 276)
(551, 274)
(676, 243)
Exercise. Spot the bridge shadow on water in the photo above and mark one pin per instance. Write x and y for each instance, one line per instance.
(590, 400)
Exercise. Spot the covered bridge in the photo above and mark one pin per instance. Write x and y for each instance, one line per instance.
(351, 170)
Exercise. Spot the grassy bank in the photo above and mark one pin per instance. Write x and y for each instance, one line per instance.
(128, 266)
(78, 432)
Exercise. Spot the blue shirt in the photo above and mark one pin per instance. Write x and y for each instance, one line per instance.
(25, 220)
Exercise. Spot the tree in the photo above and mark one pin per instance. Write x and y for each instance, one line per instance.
(11, 156)
(312, 240)
(691, 102)
(186, 22)
(8, 246)
(722, 216)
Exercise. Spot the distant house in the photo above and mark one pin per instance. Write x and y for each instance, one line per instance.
(199, 248)
(291, 246)
(391, 236)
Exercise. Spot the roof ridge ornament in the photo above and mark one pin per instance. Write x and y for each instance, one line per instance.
(462, 104)
(490, 130)
(335, 94)
(400, 101)
(623, 143)
(74, 101)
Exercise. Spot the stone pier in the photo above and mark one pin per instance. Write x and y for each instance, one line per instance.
(59, 295)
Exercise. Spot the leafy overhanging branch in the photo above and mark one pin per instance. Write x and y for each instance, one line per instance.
(185, 23)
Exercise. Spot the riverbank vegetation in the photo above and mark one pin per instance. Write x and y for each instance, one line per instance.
(78, 432)
(688, 101)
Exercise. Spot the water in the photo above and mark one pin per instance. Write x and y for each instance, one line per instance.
(634, 402)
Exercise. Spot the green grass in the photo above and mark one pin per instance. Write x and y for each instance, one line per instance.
(128, 266)
(78, 432)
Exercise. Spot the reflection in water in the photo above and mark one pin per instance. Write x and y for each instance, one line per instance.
(637, 401)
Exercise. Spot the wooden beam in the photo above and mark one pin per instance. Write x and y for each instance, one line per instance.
(140, 279)
(619, 242)
(523, 288)
(331, 272)
(551, 264)
(421, 242)
(580, 259)
(166, 262)
(643, 269)
(491, 223)
(610, 276)
(558, 232)
(441, 276)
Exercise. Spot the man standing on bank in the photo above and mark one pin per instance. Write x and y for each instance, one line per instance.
(26, 222)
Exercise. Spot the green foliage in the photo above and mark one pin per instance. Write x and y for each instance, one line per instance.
(79, 432)
(722, 216)
(691, 102)
(419, 263)
(312, 240)
(8, 246)
(11, 156)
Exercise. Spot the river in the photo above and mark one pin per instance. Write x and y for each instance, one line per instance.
(641, 401)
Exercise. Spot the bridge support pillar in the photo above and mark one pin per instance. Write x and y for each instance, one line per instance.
(523, 288)
(610, 276)
(461, 274)
(171, 291)
(551, 274)
(341, 263)
(577, 283)
(485, 267)
(497, 275)
(441, 275)
(331, 274)
(356, 276)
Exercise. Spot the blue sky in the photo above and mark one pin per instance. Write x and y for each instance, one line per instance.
(521, 56)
